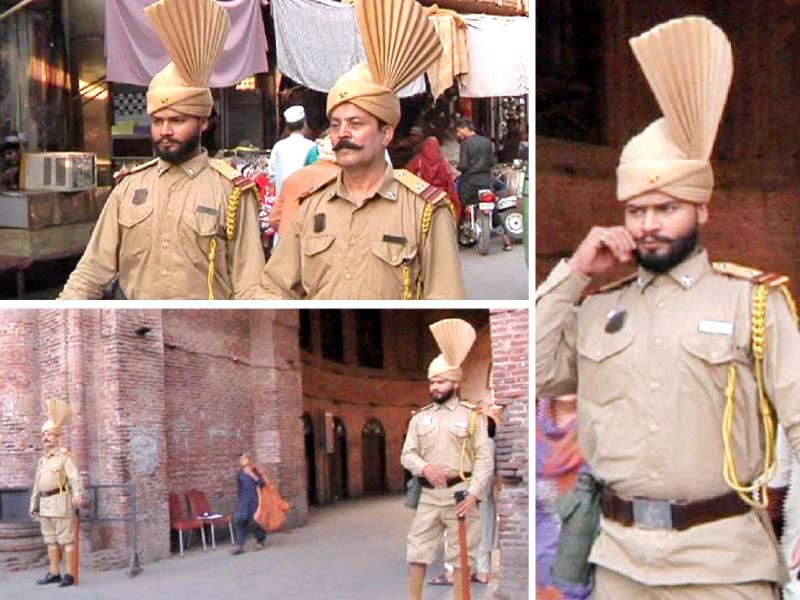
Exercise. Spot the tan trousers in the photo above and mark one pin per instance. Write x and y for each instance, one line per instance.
(609, 585)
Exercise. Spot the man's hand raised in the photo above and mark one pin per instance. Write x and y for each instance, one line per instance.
(602, 249)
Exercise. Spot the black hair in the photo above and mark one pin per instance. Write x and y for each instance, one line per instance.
(296, 125)
(491, 426)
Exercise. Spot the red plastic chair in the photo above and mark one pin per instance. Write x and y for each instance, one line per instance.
(179, 522)
(199, 506)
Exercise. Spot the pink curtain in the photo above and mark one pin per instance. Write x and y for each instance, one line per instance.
(135, 53)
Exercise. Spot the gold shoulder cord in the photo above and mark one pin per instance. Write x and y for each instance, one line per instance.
(473, 420)
(755, 493)
(230, 230)
(427, 217)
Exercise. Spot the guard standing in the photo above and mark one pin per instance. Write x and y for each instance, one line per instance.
(57, 491)
(447, 445)
(372, 232)
(182, 226)
(682, 368)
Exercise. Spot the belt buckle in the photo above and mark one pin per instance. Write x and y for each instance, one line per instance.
(652, 514)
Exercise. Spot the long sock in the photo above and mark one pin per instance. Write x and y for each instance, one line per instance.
(54, 553)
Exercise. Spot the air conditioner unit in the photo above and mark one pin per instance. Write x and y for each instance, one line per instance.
(58, 171)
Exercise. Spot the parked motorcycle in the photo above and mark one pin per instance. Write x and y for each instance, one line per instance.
(476, 226)
(508, 188)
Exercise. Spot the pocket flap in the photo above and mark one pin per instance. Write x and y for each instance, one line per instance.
(316, 243)
(599, 347)
(202, 223)
(392, 253)
(711, 348)
(130, 215)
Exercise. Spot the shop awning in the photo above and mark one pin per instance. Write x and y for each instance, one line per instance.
(134, 52)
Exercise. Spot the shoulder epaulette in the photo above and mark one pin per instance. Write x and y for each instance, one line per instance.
(609, 287)
(750, 274)
(469, 405)
(426, 191)
(314, 189)
(424, 408)
(232, 174)
(124, 172)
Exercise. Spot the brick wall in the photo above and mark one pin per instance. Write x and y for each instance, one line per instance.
(163, 399)
(510, 362)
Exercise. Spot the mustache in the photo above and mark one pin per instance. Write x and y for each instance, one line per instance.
(346, 144)
(654, 238)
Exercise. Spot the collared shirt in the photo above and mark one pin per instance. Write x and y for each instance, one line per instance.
(436, 436)
(56, 468)
(156, 230)
(288, 155)
(651, 397)
(335, 249)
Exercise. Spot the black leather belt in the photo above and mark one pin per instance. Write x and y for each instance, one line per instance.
(451, 481)
(50, 493)
(668, 514)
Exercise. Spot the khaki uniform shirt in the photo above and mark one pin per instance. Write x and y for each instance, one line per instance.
(56, 469)
(156, 230)
(651, 397)
(436, 435)
(334, 250)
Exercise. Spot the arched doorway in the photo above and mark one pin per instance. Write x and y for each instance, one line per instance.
(338, 462)
(373, 457)
(311, 459)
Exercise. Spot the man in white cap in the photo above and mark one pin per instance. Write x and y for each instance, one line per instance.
(448, 446)
(57, 491)
(682, 367)
(372, 232)
(182, 226)
(289, 154)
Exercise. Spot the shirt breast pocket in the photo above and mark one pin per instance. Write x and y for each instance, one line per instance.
(196, 232)
(604, 366)
(705, 361)
(136, 230)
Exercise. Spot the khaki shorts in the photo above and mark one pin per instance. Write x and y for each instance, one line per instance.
(425, 536)
(59, 530)
(609, 585)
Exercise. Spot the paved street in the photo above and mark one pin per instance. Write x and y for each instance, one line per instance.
(352, 551)
(498, 275)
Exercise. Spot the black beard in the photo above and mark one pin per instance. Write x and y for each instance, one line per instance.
(444, 397)
(183, 153)
(678, 251)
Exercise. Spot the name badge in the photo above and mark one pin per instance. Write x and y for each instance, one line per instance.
(720, 327)
(427, 420)
(461, 423)
(209, 210)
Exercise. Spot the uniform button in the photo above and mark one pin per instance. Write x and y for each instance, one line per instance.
(353, 242)
(163, 271)
(654, 475)
(660, 305)
(657, 341)
(654, 385)
(394, 258)
(653, 428)
(347, 276)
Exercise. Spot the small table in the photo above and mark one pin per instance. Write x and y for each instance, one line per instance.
(208, 519)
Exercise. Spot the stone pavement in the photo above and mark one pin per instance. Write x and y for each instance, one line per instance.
(352, 551)
(498, 275)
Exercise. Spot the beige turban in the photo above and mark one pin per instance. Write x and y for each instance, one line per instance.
(454, 338)
(194, 32)
(59, 413)
(689, 65)
(400, 43)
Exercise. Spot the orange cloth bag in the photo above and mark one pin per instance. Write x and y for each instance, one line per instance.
(272, 509)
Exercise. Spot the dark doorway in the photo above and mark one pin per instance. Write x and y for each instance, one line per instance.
(311, 460)
(338, 462)
(373, 458)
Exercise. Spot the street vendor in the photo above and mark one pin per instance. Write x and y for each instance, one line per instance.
(182, 226)
(57, 491)
(371, 232)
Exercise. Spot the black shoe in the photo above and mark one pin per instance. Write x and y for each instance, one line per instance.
(261, 545)
(67, 580)
(49, 578)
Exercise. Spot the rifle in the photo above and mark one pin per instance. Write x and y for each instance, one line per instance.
(466, 591)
